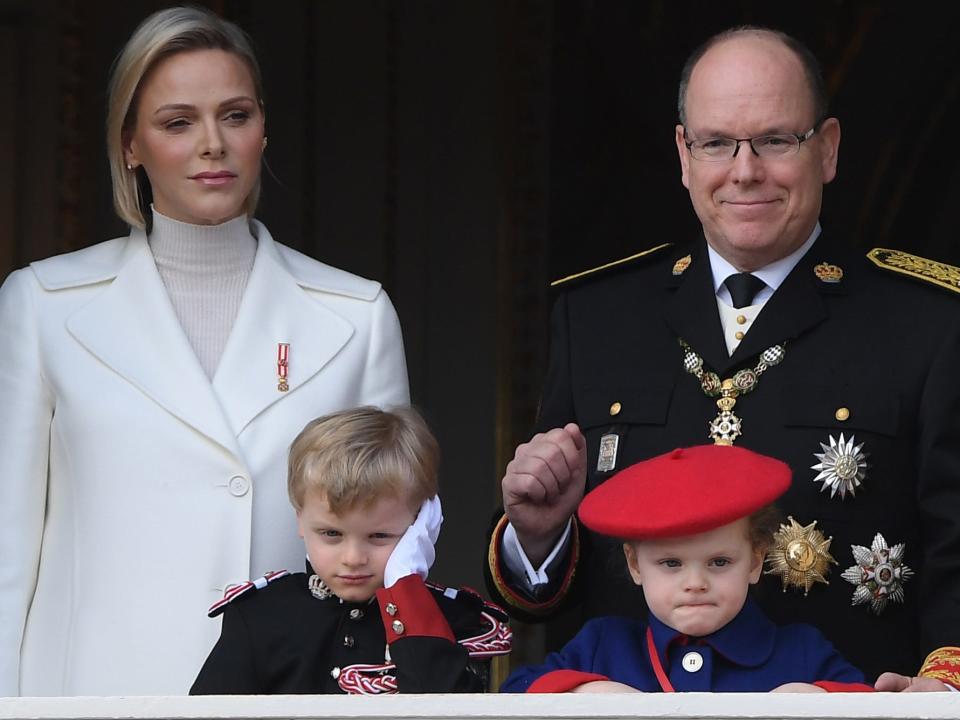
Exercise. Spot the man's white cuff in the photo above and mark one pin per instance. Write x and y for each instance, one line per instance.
(519, 564)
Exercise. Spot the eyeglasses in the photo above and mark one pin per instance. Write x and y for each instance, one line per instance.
(721, 149)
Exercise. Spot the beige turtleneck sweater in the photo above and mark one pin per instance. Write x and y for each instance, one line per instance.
(205, 269)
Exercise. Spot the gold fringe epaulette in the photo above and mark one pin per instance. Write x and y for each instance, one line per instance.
(931, 271)
(609, 265)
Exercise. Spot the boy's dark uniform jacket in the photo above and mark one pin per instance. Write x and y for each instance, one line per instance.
(878, 348)
(283, 640)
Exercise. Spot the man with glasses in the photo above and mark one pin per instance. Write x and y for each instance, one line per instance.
(772, 336)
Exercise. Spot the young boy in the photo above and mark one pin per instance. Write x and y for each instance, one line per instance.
(697, 523)
(361, 620)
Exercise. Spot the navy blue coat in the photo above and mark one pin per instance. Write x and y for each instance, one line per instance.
(748, 654)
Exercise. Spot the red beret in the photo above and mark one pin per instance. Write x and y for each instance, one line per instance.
(684, 492)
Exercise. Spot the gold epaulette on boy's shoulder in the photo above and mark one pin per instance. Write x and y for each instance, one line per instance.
(931, 271)
(610, 265)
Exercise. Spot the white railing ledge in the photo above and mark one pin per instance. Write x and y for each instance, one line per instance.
(680, 706)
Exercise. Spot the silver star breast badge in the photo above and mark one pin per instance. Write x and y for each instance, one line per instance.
(879, 574)
(842, 466)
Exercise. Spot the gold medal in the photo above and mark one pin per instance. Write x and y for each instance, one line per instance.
(800, 556)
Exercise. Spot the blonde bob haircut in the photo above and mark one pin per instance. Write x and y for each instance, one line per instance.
(355, 457)
(165, 33)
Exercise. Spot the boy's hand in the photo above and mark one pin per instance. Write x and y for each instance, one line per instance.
(798, 687)
(414, 553)
(604, 686)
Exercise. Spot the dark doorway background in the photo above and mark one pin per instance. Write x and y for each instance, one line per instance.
(465, 152)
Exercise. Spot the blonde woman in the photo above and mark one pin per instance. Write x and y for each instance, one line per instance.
(151, 385)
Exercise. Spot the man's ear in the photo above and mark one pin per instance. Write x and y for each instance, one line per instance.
(756, 565)
(684, 157)
(829, 133)
(630, 552)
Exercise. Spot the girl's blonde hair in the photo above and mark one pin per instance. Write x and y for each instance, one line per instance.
(165, 33)
(354, 457)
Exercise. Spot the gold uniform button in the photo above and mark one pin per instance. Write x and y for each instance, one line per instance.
(741, 319)
(615, 408)
(738, 335)
(842, 414)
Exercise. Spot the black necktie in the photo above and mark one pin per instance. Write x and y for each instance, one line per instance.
(743, 288)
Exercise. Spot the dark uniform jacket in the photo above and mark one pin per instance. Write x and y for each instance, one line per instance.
(283, 640)
(748, 654)
(875, 356)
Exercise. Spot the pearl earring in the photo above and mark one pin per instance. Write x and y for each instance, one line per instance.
(264, 147)
(129, 167)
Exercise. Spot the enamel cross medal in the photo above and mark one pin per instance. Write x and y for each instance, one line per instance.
(725, 427)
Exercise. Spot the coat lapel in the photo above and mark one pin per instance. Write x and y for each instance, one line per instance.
(692, 313)
(275, 309)
(132, 328)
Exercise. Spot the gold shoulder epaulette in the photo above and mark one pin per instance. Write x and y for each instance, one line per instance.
(931, 271)
(607, 266)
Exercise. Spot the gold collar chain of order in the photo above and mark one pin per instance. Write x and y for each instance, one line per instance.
(726, 427)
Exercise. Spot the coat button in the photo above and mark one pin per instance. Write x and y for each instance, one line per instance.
(398, 627)
(615, 409)
(356, 614)
(238, 485)
(842, 414)
(335, 673)
(692, 662)
(348, 641)
(738, 334)
(391, 609)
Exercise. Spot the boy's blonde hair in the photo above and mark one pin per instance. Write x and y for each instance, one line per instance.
(164, 33)
(354, 457)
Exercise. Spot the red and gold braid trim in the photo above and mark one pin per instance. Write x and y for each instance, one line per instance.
(943, 664)
(521, 603)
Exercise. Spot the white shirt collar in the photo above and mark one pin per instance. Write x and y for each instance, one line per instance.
(773, 274)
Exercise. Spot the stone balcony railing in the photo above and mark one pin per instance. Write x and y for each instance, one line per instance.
(680, 706)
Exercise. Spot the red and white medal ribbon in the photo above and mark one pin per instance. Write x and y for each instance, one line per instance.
(283, 359)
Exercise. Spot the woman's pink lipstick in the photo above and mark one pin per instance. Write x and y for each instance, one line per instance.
(214, 178)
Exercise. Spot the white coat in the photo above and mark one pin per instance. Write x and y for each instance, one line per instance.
(127, 477)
